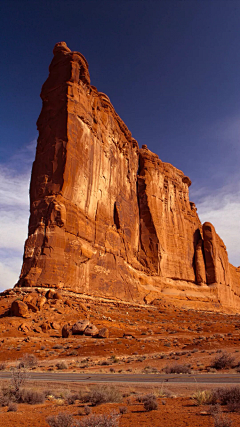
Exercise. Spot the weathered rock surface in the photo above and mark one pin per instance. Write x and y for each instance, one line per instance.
(19, 309)
(79, 327)
(91, 330)
(103, 333)
(109, 219)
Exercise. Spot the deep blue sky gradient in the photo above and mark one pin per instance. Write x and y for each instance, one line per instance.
(171, 69)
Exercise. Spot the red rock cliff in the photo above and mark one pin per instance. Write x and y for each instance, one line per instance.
(107, 218)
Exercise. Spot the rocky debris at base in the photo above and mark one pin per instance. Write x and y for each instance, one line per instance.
(84, 327)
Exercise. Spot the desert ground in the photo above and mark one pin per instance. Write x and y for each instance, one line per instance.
(140, 339)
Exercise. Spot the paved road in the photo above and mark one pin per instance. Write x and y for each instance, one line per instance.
(131, 378)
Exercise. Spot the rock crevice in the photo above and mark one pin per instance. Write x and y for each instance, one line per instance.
(109, 219)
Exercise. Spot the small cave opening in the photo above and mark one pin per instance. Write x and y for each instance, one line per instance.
(116, 217)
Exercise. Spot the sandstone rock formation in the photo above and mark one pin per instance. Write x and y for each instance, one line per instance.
(108, 219)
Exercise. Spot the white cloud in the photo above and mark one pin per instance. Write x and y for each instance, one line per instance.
(222, 208)
(9, 271)
(14, 213)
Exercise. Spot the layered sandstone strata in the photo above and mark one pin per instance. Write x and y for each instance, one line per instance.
(109, 219)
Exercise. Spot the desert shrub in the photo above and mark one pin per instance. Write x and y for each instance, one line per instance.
(223, 361)
(233, 406)
(226, 396)
(28, 361)
(104, 420)
(18, 378)
(60, 420)
(7, 395)
(30, 396)
(177, 369)
(204, 397)
(150, 402)
(123, 410)
(2, 366)
(12, 407)
(71, 399)
(87, 409)
(103, 394)
(221, 421)
(214, 410)
(62, 365)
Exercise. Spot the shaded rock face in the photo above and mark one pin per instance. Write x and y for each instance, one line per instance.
(108, 219)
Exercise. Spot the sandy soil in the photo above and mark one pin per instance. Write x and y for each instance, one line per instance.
(142, 339)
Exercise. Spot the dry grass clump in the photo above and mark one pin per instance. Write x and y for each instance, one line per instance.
(60, 420)
(204, 397)
(103, 394)
(62, 365)
(223, 361)
(104, 420)
(10, 395)
(30, 396)
(177, 369)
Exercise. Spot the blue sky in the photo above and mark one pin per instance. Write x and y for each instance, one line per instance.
(172, 71)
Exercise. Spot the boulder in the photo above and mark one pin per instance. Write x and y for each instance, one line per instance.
(103, 333)
(55, 325)
(91, 330)
(41, 301)
(57, 295)
(83, 306)
(32, 307)
(79, 327)
(24, 327)
(45, 327)
(50, 294)
(66, 331)
(19, 309)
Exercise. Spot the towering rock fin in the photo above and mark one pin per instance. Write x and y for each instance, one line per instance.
(108, 219)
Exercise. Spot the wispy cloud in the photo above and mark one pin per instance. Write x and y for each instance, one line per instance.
(222, 208)
(14, 213)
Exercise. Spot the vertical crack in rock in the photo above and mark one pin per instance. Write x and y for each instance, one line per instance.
(108, 218)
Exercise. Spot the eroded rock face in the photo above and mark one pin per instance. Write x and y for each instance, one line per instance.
(109, 219)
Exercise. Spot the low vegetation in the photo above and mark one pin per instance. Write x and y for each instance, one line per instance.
(150, 402)
(102, 394)
(67, 420)
(60, 420)
(204, 397)
(223, 361)
(177, 369)
(28, 361)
